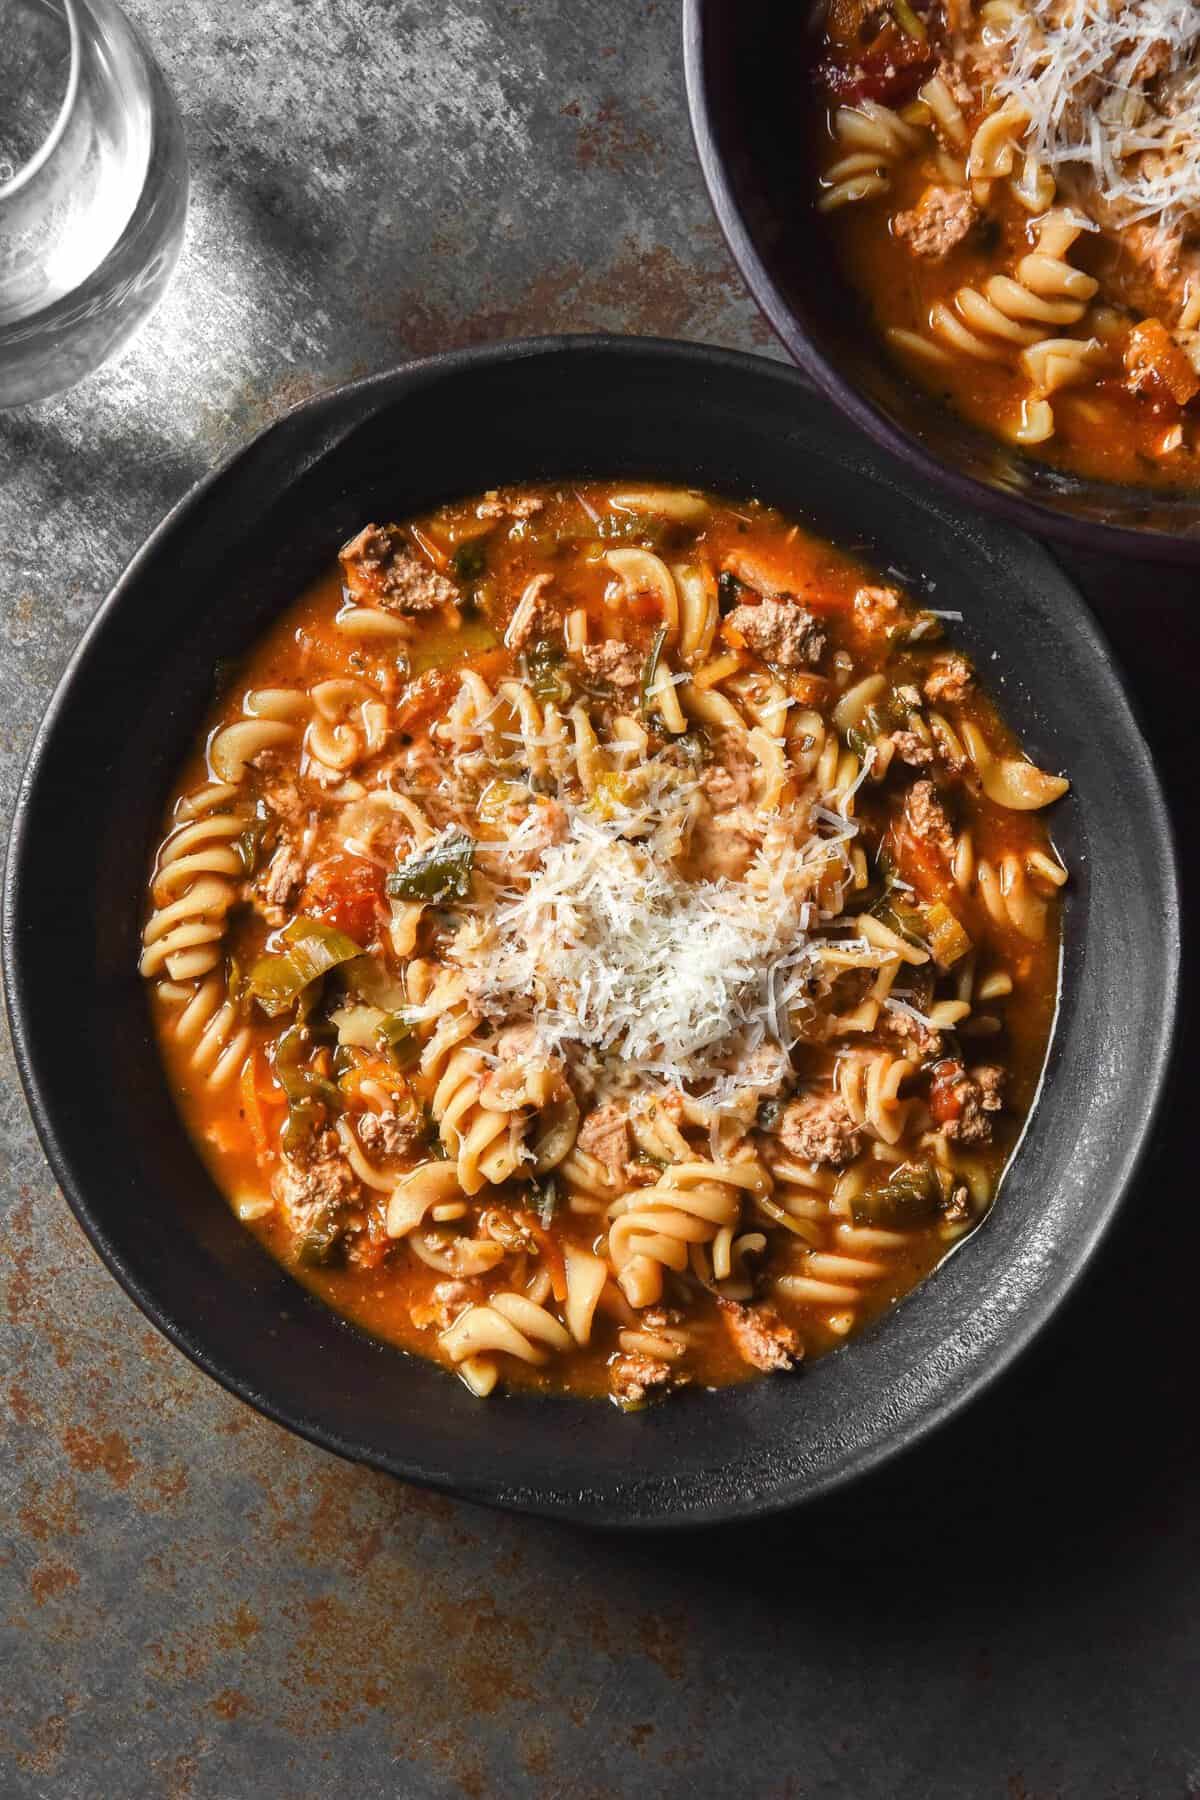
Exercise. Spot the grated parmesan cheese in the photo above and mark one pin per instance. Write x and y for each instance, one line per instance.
(634, 971)
(1079, 68)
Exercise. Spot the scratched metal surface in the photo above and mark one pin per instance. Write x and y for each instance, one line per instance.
(195, 1606)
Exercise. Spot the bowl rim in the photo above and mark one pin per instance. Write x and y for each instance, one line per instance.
(1027, 513)
(563, 1503)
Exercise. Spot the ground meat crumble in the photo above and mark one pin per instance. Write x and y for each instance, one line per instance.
(949, 679)
(614, 665)
(634, 1377)
(380, 569)
(779, 631)
(819, 1129)
(876, 609)
(307, 1190)
(938, 223)
(927, 818)
(760, 1336)
(962, 1103)
(604, 1134)
(910, 747)
(386, 1134)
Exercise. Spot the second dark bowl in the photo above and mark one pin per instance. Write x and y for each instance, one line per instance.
(215, 574)
(750, 100)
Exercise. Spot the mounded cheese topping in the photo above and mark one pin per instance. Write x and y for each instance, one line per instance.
(1112, 89)
(614, 956)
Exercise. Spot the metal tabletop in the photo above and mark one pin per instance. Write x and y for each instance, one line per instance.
(195, 1605)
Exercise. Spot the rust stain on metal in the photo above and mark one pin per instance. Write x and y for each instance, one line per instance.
(50, 1511)
(646, 289)
(662, 1641)
(608, 138)
(230, 1704)
(110, 1452)
(50, 1579)
(240, 1629)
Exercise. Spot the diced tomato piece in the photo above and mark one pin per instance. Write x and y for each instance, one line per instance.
(921, 864)
(432, 692)
(345, 892)
(945, 1100)
(889, 70)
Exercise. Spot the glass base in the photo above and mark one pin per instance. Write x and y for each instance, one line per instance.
(92, 224)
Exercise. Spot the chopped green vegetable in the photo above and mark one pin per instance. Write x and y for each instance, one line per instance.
(235, 979)
(297, 1081)
(398, 1039)
(313, 948)
(883, 715)
(543, 665)
(476, 635)
(249, 845)
(304, 1117)
(896, 912)
(911, 1197)
(442, 872)
(368, 977)
(470, 559)
(633, 528)
(650, 670)
(319, 1243)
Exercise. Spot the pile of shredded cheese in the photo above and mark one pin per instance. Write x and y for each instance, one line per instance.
(1079, 68)
(641, 975)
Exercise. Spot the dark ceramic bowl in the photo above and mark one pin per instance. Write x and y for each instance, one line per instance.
(204, 586)
(749, 95)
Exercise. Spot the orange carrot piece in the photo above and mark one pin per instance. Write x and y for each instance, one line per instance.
(555, 1262)
(254, 1117)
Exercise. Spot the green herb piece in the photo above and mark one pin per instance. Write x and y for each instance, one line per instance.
(633, 528)
(303, 1118)
(912, 1197)
(248, 845)
(313, 948)
(883, 715)
(899, 916)
(543, 666)
(470, 559)
(319, 1244)
(432, 1135)
(297, 1081)
(443, 872)
(399, 1041)
(651, 669)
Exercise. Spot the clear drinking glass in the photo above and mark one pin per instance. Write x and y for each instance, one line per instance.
(93, 190)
